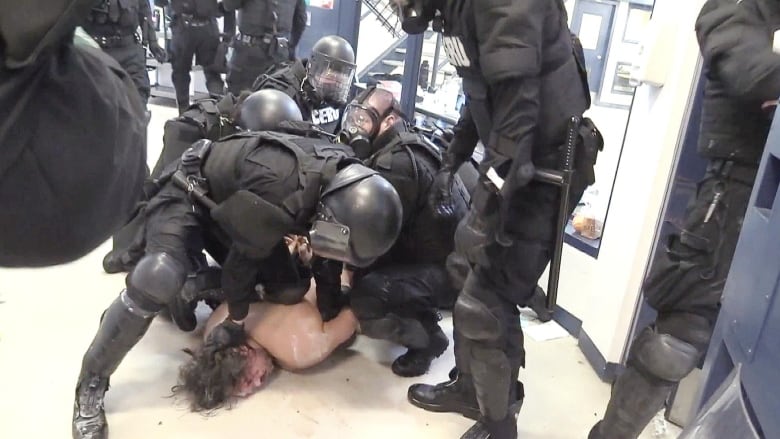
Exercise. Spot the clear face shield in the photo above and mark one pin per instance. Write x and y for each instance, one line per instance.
(331, 78)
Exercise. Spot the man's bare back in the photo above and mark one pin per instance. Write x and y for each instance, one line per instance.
(294, 335)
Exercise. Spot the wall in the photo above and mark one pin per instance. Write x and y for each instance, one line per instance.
(603, 293)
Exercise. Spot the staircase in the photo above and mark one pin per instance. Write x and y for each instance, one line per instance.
(382, 46)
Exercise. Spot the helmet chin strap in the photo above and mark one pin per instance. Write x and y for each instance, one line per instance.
(309, 91)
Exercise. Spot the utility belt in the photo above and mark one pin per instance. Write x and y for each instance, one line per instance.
(731, 170)
(109, 41)
(191, 20)
(273, 43)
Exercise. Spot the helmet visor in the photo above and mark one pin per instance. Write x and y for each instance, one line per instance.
(331, 78)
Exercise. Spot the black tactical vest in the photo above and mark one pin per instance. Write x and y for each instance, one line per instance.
(205, 119)
(118, 17)
(256, 17)
(197, 8)
(290, 81)
(316, 162)
(560, 82)
(424, 238)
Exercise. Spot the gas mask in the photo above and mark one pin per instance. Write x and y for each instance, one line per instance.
(363, 118)
(415, 15)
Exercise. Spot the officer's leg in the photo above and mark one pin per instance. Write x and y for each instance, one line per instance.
(398, 303)
(685, 286)
(660, 357)
(173, 233)
(205, 55)
(127, 248)
(155, 279)
(182, 51)
(238, 63)
(246, 64)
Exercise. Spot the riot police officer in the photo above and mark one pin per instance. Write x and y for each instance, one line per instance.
(523, 86)
(686, 283)
(78, 95)
(268, 35)
(210, 119)
(113, 24)
(246, 191)
(319, 85)
(397, 298)
(195, 33)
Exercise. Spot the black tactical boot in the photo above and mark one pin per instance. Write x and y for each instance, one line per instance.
(89, 417)
(456, 395)
(538, 304)
(416, 362)
(487, 429)
(122, 325)
(635, 400)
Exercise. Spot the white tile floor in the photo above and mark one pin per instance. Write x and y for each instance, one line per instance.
(49, 316)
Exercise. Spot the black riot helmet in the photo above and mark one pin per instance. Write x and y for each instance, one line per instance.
(415, 15)
(331, 68)
(265, 109)
(358, 217)
(363, 117)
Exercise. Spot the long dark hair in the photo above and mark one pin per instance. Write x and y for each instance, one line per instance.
(209, 381)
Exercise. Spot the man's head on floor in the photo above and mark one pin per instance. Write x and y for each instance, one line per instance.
(209, 381)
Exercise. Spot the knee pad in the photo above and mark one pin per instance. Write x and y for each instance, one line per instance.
(690, 328)
(663, 356)
(475, 320)
(155, 281)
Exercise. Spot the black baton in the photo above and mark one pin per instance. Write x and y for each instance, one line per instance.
(562, 179)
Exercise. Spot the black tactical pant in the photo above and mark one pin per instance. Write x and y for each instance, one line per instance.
(685, 285)
(488, 337)
(689, 276)
(200, 41)
(409, 291)
(249, 61)
(132, 58)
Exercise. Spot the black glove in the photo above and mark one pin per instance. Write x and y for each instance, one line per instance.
(226, 335)
(440, 195)
(327, 275)
(158, 52)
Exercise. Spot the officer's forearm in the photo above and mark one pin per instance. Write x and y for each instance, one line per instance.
(239, 274)
(299, 23)
(464, 141)
(229, 23)
(515, 113)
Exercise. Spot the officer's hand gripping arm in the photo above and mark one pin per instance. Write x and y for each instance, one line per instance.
(510, 42)
(327, 276)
